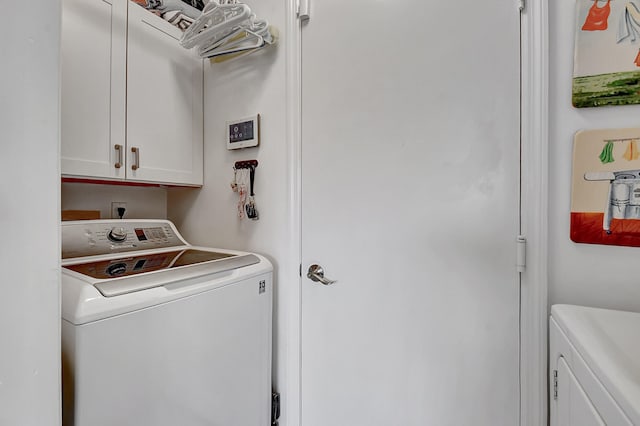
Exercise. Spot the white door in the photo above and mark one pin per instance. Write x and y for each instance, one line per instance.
(410, 177)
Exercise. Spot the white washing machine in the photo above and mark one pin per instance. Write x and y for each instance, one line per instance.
(594, 366)
(156, 332)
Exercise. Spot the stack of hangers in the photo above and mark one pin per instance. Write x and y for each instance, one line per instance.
(227, 29)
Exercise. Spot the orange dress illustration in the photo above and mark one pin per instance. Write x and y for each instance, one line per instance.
(597, 17)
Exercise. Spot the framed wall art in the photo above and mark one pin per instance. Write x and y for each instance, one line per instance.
(605, 194)
(606, 67)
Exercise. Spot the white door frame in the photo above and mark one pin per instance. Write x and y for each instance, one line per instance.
(534, 134)
(535, 175)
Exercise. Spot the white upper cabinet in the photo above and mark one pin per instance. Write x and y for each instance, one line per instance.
(164, 102)
(131, 96)
(94, 54)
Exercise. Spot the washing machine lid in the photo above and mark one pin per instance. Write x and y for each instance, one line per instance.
(133, 265)
(609, 342)
(124, 256)
(115, 277)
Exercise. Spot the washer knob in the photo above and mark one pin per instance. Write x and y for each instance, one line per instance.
(117, 269)
(117, 234)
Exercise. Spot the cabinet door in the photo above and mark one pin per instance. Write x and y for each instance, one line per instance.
(574, 407)
(164, 103)
(93, 50)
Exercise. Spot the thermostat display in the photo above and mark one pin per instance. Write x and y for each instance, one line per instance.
(243, 133)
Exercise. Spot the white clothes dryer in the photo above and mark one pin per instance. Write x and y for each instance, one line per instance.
(594, 367)
(158, 332)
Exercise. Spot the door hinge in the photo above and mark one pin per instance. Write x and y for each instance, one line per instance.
(275, 408)
(521, 253)
(300, 270)
(303, 10)
(521, 5)
(555, 385)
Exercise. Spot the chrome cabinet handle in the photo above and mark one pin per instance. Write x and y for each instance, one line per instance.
(316, 274)
(118, 149)
(136, 157)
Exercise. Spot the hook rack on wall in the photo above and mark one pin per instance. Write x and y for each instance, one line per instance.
(244, 174)
(247, 164)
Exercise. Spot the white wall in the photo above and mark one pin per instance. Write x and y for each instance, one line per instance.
(142, 202)
(592, 275)
(236, 89)
(29, 215)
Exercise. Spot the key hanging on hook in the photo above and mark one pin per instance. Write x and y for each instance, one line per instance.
(252, 211)
(234, 182)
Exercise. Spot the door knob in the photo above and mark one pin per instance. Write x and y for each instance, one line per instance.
(316, 274)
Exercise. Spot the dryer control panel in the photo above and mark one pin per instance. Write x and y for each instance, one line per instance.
(97, 237)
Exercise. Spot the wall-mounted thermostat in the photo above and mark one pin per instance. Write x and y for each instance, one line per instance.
(243, 133)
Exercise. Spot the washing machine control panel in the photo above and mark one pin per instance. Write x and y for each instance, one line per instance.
(96, 237)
